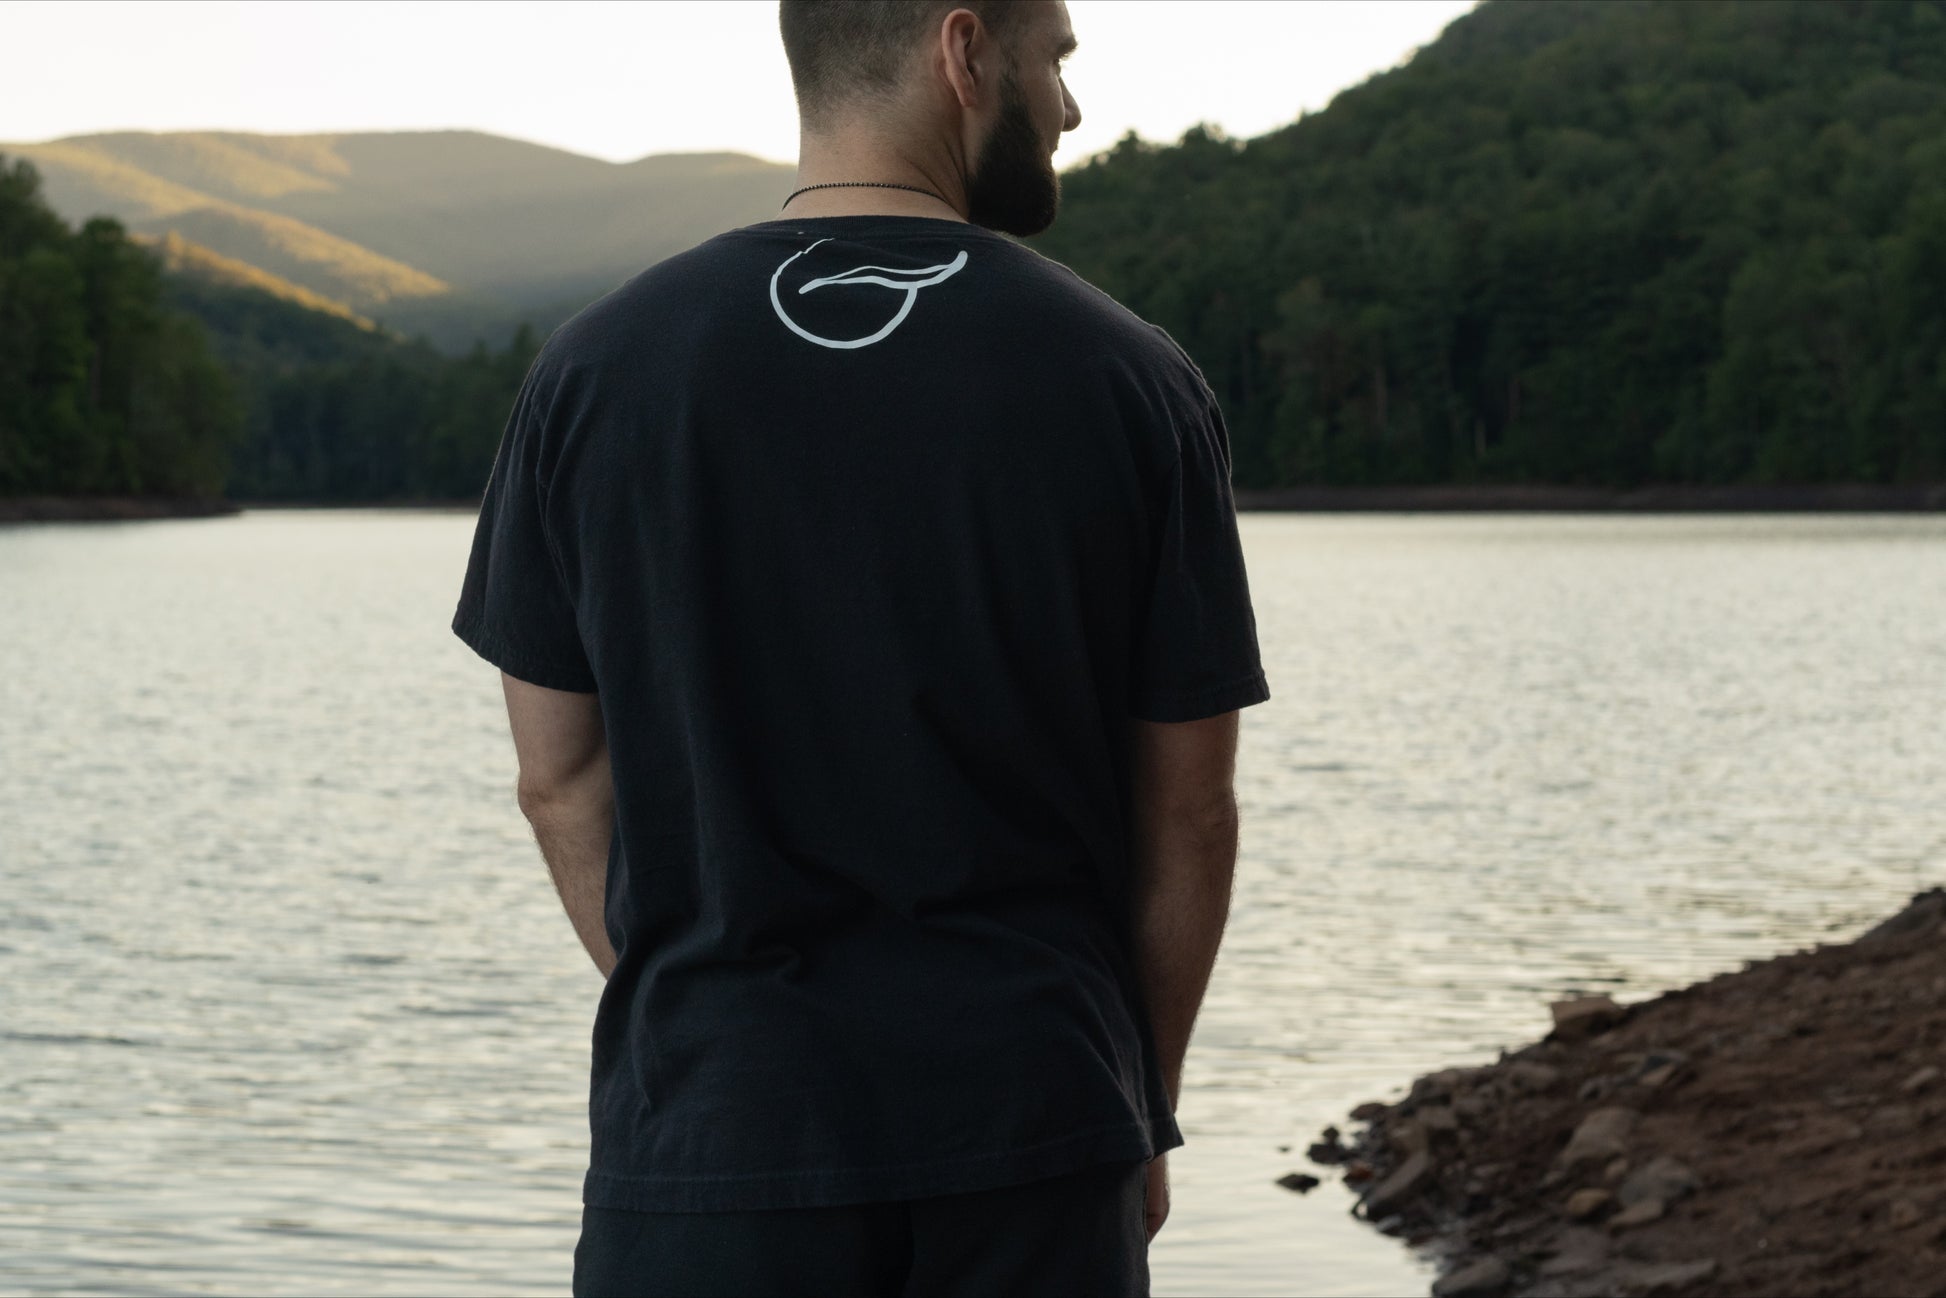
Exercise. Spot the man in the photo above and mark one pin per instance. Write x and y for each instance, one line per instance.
(873, 626)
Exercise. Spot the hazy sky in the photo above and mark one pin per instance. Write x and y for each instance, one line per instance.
(617, 80)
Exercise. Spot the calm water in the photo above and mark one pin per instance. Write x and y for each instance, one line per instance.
(287, 1004)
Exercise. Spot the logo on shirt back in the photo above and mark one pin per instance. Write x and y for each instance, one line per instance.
(906, 282)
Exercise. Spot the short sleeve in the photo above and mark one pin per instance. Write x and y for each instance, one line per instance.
(515, 610)
(1196, 649)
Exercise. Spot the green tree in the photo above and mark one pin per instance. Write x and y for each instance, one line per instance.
(102, 389)
(1590, 242)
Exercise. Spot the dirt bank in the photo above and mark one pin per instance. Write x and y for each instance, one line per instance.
(74, 509)
(1778, 1130)
(1674, 498)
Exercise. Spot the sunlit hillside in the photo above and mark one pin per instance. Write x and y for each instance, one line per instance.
(455, 233)
(180, 256)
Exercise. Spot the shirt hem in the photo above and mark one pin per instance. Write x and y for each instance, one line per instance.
(1126, 1141)
(1194, 705)
(471, 628)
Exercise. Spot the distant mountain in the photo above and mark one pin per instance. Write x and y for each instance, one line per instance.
(186, 260)
(459, 234)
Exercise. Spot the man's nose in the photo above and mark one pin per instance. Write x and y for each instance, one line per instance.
(1074, 110)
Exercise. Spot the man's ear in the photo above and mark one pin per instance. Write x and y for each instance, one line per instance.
(968, 58)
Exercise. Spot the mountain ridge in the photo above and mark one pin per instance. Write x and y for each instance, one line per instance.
(457, 234)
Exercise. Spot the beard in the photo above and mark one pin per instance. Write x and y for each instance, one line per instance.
(1012, 187)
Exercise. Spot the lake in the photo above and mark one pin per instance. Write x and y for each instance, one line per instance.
(290, 1006)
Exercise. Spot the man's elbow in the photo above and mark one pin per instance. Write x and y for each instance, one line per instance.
(533, 797)
(551, 801)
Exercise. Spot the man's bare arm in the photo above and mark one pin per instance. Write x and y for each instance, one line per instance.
(1184, 841)
(567, 794)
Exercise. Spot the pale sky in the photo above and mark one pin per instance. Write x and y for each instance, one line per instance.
(620, 80)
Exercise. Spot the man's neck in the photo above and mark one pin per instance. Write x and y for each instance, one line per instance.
(822, 162)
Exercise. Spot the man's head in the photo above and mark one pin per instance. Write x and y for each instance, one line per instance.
(973, 86)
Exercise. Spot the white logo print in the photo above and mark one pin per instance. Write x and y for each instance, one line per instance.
(908, 282)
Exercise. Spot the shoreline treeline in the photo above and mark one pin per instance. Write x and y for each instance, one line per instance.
(119, 379)
(1595, 242)
(338, 412)
(103, 389)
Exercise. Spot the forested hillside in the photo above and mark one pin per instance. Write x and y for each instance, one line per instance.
(335, 412)
(118, 377)
(1605, 242)
(103, 389)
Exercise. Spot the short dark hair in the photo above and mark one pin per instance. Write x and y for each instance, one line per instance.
(842, 51)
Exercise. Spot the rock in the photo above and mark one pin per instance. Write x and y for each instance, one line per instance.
(1664, 1179)
(1480, 1279)
(1368, 1110)
(1665, 1277)
(1595, 1088)
(1893, 1118)
(1581, 1017)
(1438, 1120)
(1658, 1068)
(1654, 1059)
(1617, 1169)
(1330, 1150)
(1408, 1136)
(1924, 911)
(1919, 1081)
(1436, 1088)
(1903, 1213)
(1584, 1204)
(1640, 1213)
(1582, 1249)
(1530, 1078)
(1400, 1187)
(1657, 1078)
(1301, 1182)
(1357, 1170)
(1602, 1135)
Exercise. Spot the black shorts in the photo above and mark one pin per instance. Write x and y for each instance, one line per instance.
(1073, 1236)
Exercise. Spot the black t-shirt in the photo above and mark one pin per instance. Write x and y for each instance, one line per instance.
(870, 533)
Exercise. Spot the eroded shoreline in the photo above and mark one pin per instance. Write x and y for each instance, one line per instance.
(1445, 498)
(102, 509)
(1776, 1130)
(1547, 498)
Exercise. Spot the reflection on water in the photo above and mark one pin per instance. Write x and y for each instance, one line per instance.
(290, 1007)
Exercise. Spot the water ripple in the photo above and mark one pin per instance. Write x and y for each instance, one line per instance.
(292, 1009)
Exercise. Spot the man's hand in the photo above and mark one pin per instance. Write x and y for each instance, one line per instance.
(1158, 1194)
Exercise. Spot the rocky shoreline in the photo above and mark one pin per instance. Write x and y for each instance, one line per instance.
(1672, 498)
(1443, 498)
(90, 509)
(1776, 1130)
